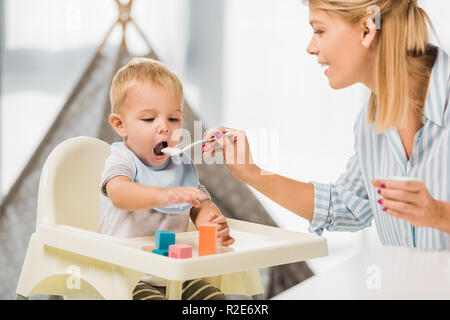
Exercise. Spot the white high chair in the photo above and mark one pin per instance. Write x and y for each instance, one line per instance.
(66, 255)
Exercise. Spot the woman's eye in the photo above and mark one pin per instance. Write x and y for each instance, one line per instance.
(148, 119)
(318, 32)
(174, 119)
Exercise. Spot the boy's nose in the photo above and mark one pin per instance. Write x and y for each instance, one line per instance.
(163, 127)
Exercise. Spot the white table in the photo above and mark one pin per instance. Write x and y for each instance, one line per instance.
(380, 273)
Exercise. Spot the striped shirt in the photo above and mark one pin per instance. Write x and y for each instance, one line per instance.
(351, 204)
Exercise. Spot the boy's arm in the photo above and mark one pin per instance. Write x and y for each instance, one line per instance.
(209, 213)
(202, 214)
(128, 195)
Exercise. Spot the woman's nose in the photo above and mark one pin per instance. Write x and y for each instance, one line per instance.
(312, 49)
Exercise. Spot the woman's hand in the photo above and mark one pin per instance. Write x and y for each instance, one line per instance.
(235, 150)
(223, 231)
(410, 201)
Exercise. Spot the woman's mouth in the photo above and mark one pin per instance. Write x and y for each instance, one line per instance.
(157, 149)
(325, 67)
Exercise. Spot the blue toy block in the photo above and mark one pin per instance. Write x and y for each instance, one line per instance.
(163, 252)
(164, 238)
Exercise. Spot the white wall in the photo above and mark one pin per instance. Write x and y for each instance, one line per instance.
(54, 26)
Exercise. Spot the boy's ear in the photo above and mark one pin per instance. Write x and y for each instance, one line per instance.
(116, 122)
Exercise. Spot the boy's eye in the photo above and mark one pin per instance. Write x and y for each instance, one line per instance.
(174, 119)
(148, 119)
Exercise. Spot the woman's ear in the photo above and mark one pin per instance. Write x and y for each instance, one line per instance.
(369, 32)
(116, 122)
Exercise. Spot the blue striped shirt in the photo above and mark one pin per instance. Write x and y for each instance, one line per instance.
(351, 204)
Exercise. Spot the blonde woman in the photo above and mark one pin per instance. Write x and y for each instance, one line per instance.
(403, 130)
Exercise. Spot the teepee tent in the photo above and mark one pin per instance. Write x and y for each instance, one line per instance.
(85, 113)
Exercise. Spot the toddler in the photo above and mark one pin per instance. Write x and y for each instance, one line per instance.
(144, 190)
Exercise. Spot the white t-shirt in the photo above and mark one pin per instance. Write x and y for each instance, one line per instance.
(129, 224)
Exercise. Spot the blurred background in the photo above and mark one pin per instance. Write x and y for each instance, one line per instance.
(243, 64)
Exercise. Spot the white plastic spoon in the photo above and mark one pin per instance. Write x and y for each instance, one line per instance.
(177, 151)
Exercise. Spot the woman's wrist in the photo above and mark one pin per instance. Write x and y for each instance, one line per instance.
(443, 217)
(251, 173)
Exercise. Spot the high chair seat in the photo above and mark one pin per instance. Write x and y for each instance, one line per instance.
(66, 255)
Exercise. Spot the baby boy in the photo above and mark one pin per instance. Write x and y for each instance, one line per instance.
(143, 189)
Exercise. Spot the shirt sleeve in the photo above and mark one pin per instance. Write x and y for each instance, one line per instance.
(119, 163)
(344, 205)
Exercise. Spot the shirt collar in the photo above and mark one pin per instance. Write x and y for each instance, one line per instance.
(438, 89)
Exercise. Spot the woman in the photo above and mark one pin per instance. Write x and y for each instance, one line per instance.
(402, 131)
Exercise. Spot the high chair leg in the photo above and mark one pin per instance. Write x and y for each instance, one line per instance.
(173, 290)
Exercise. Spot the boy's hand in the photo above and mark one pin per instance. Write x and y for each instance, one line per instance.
(178, 195)
(223, 231)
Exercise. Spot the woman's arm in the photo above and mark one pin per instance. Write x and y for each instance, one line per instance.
(295, 196)
(340, 206)
(128, 195)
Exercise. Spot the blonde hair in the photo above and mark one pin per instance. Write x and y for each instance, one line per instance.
(403, 51)
(142, 71)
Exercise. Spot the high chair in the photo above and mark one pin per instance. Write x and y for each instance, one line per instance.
(66, 256)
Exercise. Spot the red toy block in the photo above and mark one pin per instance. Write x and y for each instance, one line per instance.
(180, 251)
(207, 239)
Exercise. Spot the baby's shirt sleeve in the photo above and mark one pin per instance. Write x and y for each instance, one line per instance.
(119, 163)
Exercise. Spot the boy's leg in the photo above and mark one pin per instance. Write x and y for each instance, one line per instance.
(144, 291)
(198, 289)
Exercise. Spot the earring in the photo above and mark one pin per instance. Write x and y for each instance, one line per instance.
(364, 43)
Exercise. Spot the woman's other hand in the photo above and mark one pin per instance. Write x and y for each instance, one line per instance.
(410, 201)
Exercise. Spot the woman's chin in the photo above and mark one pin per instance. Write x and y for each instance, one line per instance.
(336, 85)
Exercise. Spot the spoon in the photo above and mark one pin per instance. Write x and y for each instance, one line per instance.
(177, 151)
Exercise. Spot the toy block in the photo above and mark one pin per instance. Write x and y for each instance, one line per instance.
(148, 248)
(163, 252)
(180, 251)
(207, 239)
(164, 238)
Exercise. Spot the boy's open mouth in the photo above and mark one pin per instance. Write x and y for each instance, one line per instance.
(157, 149)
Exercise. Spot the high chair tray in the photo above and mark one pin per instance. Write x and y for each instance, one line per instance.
(256, 246)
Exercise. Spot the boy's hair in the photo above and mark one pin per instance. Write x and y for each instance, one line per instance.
(142, 71)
